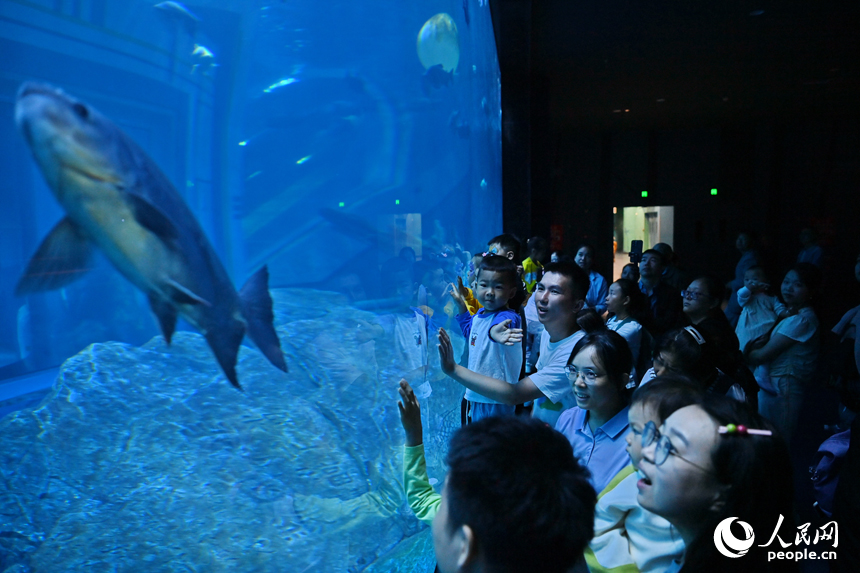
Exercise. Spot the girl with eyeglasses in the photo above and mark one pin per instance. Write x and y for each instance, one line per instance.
(696, 475)
(626, 534)
(599, 371)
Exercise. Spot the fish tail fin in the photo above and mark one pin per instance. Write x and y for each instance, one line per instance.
(224, 343)
(257, 310)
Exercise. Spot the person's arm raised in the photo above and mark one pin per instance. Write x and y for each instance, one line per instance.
(492, 388)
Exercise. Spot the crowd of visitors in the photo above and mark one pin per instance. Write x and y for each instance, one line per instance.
(679, 397)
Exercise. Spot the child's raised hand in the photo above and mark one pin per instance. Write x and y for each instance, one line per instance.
(458, 295)
(410, 414)
(446, 353)
(462, 288)
(504, 334)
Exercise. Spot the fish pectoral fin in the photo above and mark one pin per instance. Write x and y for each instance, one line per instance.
(61, 259)
(257, 309)
(166, 314)
(151, 217)
(182, 295)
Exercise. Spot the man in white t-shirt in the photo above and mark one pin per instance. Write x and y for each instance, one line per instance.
(559, 296)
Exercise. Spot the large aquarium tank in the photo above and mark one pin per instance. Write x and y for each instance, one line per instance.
(195, 198)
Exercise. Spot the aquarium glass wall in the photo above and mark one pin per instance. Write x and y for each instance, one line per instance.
(171, 172)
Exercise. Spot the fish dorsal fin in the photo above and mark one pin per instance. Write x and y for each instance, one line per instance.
(166, 314)
(183, 295)
(61, 259)
(257, 309)
(151, 217)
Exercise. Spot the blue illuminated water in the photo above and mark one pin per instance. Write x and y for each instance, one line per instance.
(305, 136)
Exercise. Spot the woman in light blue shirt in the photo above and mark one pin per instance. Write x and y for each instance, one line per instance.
(599, 371)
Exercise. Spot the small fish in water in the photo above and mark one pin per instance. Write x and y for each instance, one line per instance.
(436, 78)
(205, 60)
(177, 9)
(116, 198)
(280, 84)
(466, 11)
(202, 51)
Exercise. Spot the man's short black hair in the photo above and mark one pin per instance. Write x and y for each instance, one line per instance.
(508, 242)
(657, 254)
(577, 277)
(501, 265)
(515, 482)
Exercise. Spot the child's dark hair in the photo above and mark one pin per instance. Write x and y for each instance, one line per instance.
(516, 483)
(508, 242)
(577, 277)
(589, 321)
(692, 358)
(537, 243)
(756, 477)
(638, 304)
(613, 354)
(502, 265)
(635, 268)
(758, 268)
(667, 393)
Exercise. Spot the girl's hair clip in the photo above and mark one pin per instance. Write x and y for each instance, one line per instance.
(631, 383)
(697, 336)
(743, 430)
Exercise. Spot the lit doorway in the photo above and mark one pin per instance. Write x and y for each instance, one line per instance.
(651, 225)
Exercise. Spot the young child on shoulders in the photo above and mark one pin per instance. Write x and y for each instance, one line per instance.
(761, 311)
(495, 285)
(627, 536)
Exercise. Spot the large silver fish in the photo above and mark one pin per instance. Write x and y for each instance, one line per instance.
(116, 198)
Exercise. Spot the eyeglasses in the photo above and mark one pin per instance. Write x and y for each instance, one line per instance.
(693, 295)
(661, 363)
(589, 375)
(664, 447)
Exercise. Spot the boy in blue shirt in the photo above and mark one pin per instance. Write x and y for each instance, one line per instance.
(496, 283)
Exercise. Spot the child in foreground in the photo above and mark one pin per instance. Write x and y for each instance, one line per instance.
(495, 284)
(422, 498)
(627, 536)
(515, 498)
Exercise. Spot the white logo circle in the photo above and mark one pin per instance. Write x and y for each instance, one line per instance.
(728, 544)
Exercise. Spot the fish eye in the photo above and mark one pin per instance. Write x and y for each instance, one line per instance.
(81, 110)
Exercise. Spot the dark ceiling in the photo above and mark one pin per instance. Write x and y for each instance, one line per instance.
(694, 63)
